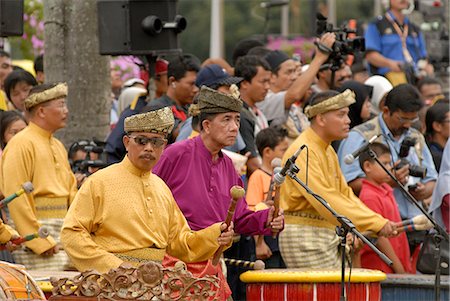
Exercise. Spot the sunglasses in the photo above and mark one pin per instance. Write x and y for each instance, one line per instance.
(155, 141)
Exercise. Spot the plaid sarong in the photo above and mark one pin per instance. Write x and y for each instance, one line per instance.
(306, 246)
(32, 261)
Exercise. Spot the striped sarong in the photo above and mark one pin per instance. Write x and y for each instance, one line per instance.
(306, 246)
(32, 261)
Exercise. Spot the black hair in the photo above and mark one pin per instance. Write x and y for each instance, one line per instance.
(378, 148)
(270, 137)
(321, 96)
(6, 119)
(3, 53)
(243, 47)
(178, 67)
(39, 63)
(260, 51)
(404, 97)
(16, 77)
(247, 66)
(427, 81)
(205, 116)
(79, 145)
(435, 113)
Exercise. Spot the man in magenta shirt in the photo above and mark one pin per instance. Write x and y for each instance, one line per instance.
(200, 175)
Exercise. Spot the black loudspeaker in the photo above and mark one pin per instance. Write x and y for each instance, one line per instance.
(11, 18)
(138, 27)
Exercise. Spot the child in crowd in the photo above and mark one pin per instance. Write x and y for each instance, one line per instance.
(271, 143)
(378, 196)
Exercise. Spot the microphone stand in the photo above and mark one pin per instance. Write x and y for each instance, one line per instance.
(342, 230)
(438, 237)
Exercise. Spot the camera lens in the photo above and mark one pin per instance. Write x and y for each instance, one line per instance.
(417, 171)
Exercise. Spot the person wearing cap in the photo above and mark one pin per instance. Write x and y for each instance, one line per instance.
(200, 176)
(309, 239)
(324, 81)
(381, 86)
(132, 90)
(286, 87)
(133, 217)
(35, 155)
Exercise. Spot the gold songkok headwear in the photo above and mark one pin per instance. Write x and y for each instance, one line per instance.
(159, 122)
(337, 102)
(213, 101)
(58, 91)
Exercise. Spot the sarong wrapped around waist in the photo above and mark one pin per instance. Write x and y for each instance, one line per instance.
(50, 213)
(309, 241)
(138, 256)
(307, 218)
(202, 269)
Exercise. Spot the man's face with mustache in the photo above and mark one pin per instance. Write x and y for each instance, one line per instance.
(144, 149)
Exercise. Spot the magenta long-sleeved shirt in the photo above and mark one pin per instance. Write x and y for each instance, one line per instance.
(201, 187)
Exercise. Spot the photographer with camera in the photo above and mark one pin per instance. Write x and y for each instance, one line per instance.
(407, 145)
(396, 47)
(286, 87)
(84, 158)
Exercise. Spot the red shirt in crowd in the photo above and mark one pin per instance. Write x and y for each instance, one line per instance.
(380, 198)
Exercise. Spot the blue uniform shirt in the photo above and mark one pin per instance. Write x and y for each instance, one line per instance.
(381, 36)
(354, 171)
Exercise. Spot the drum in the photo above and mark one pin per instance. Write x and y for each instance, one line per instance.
(312, 284)
(17, 284)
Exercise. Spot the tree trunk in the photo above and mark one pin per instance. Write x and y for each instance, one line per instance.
(72, 55)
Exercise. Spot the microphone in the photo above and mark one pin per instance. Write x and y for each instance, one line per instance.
(276, 166)
(278, 178)
(26, 187)
(276, 162)
(350, 158)
(274, 3)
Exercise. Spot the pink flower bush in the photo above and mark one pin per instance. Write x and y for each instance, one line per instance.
(127, 65)
(298, 45)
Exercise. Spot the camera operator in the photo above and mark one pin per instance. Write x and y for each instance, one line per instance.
(84, 158)
(395, 45)
(394, 124)
(286, 87)
(324, 81)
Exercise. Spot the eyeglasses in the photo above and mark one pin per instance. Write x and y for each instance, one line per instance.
(407, 120)
(155, 141)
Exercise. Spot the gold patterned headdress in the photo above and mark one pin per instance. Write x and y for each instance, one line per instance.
(337, 102)
(58, 91)
(159, 122)
(213, 101)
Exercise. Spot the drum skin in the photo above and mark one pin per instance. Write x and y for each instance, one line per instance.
(311, 284)
(17, 284)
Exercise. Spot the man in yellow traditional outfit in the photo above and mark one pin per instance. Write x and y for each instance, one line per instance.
(309, 239)
(35, 155)
(125, 213)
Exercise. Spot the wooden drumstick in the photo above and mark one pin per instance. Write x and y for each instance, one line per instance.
(236, 192)
(276, 205)
(255, 265)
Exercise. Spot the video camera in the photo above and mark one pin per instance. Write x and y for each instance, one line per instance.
(87, 147)
(343, 45)
(414, 170)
